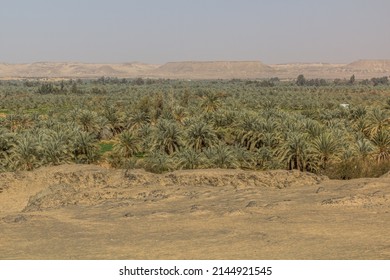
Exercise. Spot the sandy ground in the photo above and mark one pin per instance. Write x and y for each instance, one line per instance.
(89, 212)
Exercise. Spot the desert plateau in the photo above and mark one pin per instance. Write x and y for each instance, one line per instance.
(362, 69)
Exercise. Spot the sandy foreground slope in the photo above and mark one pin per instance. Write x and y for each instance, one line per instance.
(89, 212)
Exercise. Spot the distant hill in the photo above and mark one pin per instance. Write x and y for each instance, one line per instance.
(362, 69)
(370, 65)
(214, 69)
(73, 70)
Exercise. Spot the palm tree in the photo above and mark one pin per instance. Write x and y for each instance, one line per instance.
(377, 120)
(13, 122)
(252, 139)
(6, 140)
(271, 139)
(210, 102)
(249, 131)
(85, 149)
(127, 144)
(200, 136)
(158, 162)
(294, 151)
(312, 127)
(55, 144)
(138, 119)
(221, 156)
(145, 133)
(245, 158)
(189, 159)
(360, 126)
(363, 147)
(381, 140)
(357, 112)
(24, 153)
(88, 121)
(179, 113)
(55, 151)
(168, 137)
(114, 120)
(324, 149)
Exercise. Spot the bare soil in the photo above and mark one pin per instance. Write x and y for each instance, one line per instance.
(90, 212)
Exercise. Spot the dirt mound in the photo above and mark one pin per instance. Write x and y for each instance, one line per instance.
(366, 201)
(365, 195)
(214, 69)
(63, 212)
(93, 185)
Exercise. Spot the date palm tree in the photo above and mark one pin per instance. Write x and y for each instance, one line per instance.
(377, 120)
(325, 148)
(145, 133)
(85, 148)
(294, 151)
(245, 158)
(114, 120)
(221, 156)
(312, 127)
(264, 158)
(189, 159)
(168, 137)
(88, 121)
(253, 139)
(138, 119)
(363, 148)
(381, 140)
(158, 162)
(210, 102)
(24, 153)
(179, 113)
(55, 148)
(6, 140)
(127, 144)
(200, 136)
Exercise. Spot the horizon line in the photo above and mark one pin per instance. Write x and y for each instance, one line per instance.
(194, 61)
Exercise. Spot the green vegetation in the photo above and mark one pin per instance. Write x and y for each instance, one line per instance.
(105, 147)
(339, 128)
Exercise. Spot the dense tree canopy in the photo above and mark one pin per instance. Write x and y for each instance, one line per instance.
(338, 128)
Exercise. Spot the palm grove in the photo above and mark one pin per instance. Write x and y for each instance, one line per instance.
(163, 125)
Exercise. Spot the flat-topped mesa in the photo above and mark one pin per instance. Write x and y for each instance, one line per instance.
(214, 69)
(362, 69)
(367, 65)
(74, 70)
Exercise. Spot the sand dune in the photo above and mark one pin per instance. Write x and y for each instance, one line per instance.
(89, 212)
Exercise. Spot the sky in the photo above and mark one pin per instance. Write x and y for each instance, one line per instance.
(159, 31)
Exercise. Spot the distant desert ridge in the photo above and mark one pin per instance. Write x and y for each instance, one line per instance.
(362, 69)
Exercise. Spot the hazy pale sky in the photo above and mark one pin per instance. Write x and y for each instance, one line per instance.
(158, 31)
